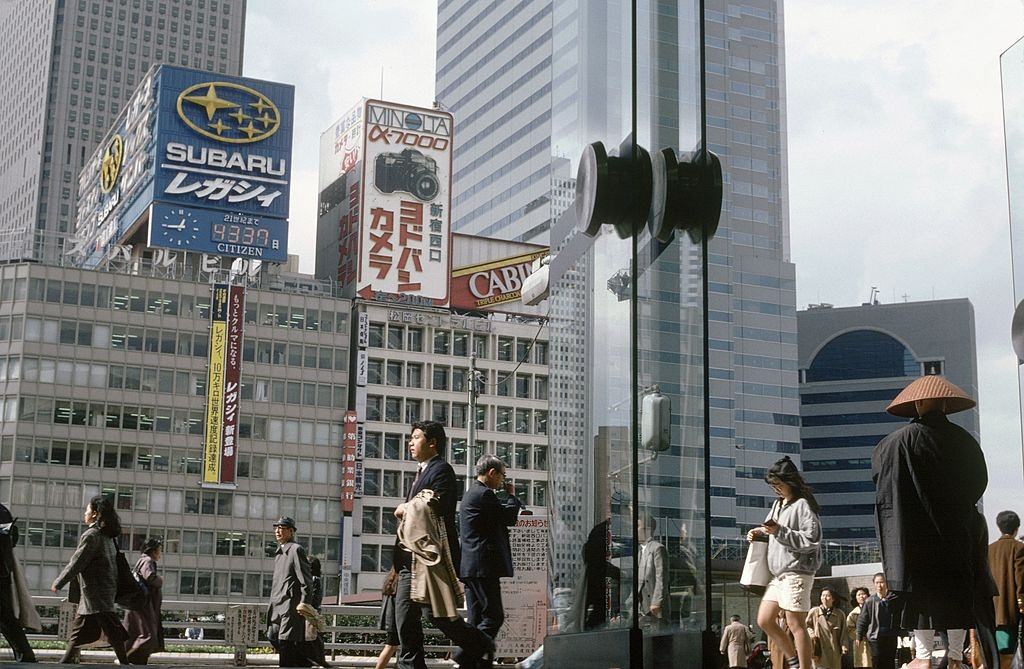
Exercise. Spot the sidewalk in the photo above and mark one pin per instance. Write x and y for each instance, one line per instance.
(105, 658)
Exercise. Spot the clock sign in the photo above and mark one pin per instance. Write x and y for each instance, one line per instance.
(225, 233)
(178, 227)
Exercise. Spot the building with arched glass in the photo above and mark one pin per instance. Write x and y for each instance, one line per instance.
(853, 361)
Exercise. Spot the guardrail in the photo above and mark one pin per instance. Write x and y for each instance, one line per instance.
(351, 629)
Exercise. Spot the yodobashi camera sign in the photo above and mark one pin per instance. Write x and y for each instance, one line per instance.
(405, 229)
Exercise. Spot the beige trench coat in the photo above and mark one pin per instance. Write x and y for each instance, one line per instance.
(434, 581)
(735, 642)
(831, 630)
(860, 650)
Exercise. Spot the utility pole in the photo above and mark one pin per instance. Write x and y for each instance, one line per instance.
(471, 430)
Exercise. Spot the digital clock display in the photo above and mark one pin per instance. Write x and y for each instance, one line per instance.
(234, 233)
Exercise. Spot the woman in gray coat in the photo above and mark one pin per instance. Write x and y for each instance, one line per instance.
(95, 565)
(145, 633)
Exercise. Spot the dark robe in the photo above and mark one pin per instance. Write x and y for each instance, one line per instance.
(145, 630)
(929, 475)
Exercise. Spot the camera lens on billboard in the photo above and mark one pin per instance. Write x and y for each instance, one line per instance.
(408, 171)
(426, 187)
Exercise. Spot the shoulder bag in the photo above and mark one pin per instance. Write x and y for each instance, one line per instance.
(756, 575)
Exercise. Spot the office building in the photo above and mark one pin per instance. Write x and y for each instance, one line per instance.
(853, 362)
(70, 66)
(530, 84)
(103, 378)
(418, 368)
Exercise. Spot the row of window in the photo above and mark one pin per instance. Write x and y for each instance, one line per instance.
(188, 581)
(127, 298)
(162, 419)
(169, 381)
(447, 342)
(175, 460)
(455, 414)
(171, 342)
(60, 494)
(445, 377)
(391, 446)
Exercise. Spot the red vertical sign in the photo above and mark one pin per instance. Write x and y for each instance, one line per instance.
(348, 462)
(232, 375)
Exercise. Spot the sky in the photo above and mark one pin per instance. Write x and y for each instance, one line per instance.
(895, 146)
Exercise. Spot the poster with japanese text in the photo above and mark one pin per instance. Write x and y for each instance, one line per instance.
(525, 595)
(232, 380)
(348, 462)
(405, 214)
(214, 422)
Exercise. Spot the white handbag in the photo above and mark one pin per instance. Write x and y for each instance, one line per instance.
(755, 569)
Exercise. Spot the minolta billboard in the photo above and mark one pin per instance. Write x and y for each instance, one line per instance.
(219, 167)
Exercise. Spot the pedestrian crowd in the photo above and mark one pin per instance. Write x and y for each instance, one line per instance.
(940, 575)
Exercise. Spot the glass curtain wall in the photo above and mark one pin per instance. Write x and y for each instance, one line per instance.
(627, 321)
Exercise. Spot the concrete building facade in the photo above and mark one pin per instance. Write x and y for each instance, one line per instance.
(853, 362)
(71, 65)
(102, 388)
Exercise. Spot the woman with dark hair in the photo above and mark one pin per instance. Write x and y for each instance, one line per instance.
(793, 533)
(95, 565)
(826, 625)
(859, 649)
(145, 633)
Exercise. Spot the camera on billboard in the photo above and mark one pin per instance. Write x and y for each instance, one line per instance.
(408, 171)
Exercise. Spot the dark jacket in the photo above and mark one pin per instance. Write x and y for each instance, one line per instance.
(875, 619)
(483, 523)
(438, 476)
(290, 588)
(94, 563)
(928, 476)
(145, 632)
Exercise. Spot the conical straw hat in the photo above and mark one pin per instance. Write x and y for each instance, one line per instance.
(929, 387)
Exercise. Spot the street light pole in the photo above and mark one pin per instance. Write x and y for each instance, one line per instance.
(471, 430)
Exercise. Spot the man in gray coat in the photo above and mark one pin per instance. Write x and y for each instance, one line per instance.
(286, 628)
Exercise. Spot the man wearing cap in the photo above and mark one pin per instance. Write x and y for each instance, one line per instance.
(929, 475)
(286, 628)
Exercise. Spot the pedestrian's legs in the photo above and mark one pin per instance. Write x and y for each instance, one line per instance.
(292, 654)
(473, 644)
(9, 625)
(924, 641)
(955, 645)
(410, 626)
(117, 636)
(483, 602)
(84, 629)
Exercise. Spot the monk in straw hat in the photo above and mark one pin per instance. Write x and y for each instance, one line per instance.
(929, 475)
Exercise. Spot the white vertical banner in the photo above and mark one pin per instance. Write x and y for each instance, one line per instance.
(405, 230)
(525, 595)
(363, 338)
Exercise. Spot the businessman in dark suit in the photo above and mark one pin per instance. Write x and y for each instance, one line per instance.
(486, 554)
(426, 445)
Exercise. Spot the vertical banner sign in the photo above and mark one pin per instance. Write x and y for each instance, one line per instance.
(348, 462)
(215, 385)
(364, 330)
(232, 374)
(405, 224)
(360, 454)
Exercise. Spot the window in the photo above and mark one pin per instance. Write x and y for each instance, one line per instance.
(862, 354)
(523, 421)
(414, 375)
(393, 410)
(394, 373)
(415, 339)
(374, 405)
(540, 387)
(442, 342)
(504, 419)
(540, 352)
(460, 344)
(505, 345)
(375, 371)
(441, 377)
(522, 386)
(396, 337)
(377, 335)
(412, 410)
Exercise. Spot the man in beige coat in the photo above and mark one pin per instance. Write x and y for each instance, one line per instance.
(736, 638)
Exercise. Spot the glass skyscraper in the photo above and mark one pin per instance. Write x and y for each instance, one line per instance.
(531, 83)
(71, 65)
